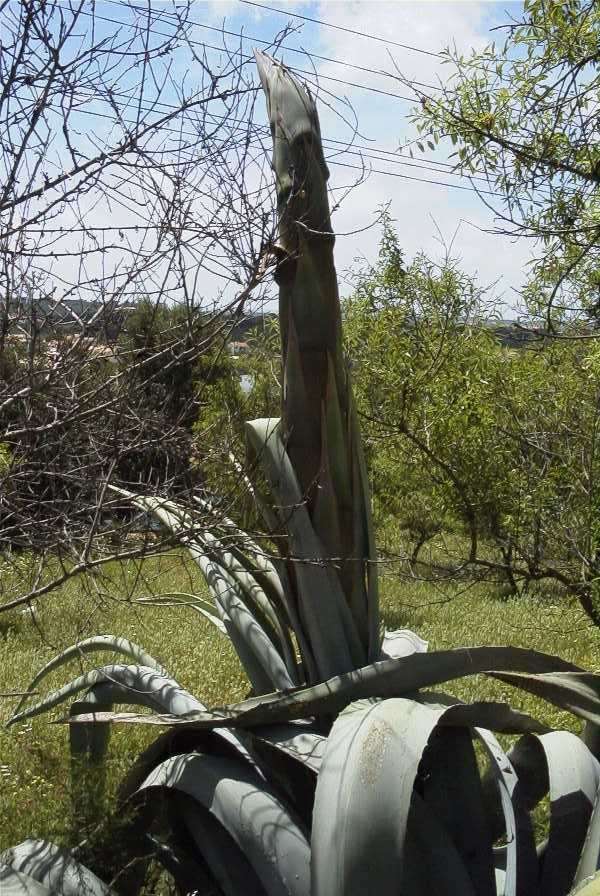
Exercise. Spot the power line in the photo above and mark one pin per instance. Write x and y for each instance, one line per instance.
(267, 43)
(337, 146)
(313, 74)
(365, 87)
(358, 151)
(383, 40)
(422, 180)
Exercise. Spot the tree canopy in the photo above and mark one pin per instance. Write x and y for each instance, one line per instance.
(525, 113)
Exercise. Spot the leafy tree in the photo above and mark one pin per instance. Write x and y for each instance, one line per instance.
(470, 438)
(526, 114)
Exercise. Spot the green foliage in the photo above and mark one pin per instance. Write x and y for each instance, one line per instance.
(224, 406)
(526, 113)
(467, 435)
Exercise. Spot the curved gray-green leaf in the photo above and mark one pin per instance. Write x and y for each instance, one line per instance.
(516, 864)
(109, 643)
(52, 868)
(269, 836)
(570, 688)
(365, 793)
(563, 765)
(129, 684)
(264, 664)
(324, 613)
(15, 883)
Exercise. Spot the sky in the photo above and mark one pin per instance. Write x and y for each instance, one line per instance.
(426, 214)
(350, 53)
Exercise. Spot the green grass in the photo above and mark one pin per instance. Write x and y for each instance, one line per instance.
(34, 769)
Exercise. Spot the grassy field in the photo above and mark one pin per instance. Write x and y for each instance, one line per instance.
(34, 769)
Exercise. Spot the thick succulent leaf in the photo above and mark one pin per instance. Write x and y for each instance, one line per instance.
(256, 596)
(574, 777)
(395, 677)
(228, 865)
(516, 864)
(560, 763)
(255, 561)
(269, 514)
(589, 859)
(190, 601)
(263, 663)
(363, 800)
(324, 613)
(238, 539)
(576, 691)
(370, 547)
(52, 869)
(440, 871)
(450, 785)
(401, 642)
(133, 684)
(291, 758)
(15, 883)
(300, 742)
(91, 645)
(220, 742)
(270, 837)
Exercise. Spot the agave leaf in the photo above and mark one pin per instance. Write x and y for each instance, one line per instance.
(337, 440)
(572, 689)
(323, 609)
(274, 567)
(269, 514)
(401, 642)
(89, 742)
(298, 403)
(257, 597)
(130, 684)
(299, 741)
(574, 790)
(291, 758)
(190, 601)
(370, 549)
(589, 859)
(516, 864)
(451, 788)
(90, 645)
(561, 763)
(262, 662)
(265, 569)
(576, 691)
(369, 768)
(268, 835)
(271, 575)
(51, 868)
(228, 865)
(424, 874)
(219, 742)
(15, 883)
(325, 511)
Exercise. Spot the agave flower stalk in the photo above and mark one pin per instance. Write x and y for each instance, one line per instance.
(319, 428)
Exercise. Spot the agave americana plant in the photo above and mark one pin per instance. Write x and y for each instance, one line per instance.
(343, 773)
